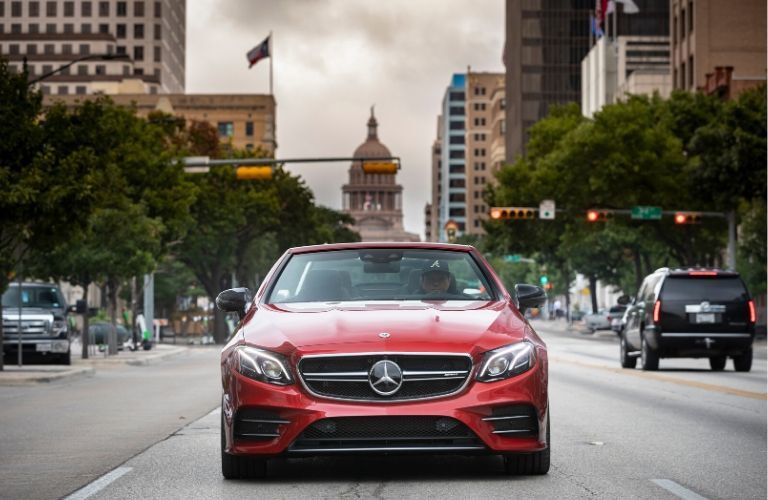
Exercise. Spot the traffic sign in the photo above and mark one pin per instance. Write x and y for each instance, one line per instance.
(547, 209)
(512, 258)
(643, 212)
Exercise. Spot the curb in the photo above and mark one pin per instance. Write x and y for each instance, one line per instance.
(25, 377)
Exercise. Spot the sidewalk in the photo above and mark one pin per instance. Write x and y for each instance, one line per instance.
(13, 374)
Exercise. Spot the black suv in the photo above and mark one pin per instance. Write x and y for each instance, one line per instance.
(690, 313)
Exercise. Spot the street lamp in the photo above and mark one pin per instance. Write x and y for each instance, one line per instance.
(101, 57)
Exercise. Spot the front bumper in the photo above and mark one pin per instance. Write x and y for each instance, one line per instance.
(292, 410)
(39, 345)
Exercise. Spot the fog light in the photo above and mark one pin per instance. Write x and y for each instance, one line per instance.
(60, 346)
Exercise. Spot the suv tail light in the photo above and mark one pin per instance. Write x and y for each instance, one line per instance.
(702, 273)
(752, 312)
(656, 311)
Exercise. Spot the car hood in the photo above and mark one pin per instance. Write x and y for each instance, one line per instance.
(412, 326)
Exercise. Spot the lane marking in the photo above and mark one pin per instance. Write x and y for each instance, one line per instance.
(672, 380)
(99, 484)
(678, 490)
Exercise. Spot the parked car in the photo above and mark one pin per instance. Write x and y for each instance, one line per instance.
(44, 330)
(690, 313)
(598, 321)
(616, 313)
(99, 334)
(342, 352)
(618, 324)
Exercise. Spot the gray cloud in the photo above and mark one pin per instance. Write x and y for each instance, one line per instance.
(333, 59)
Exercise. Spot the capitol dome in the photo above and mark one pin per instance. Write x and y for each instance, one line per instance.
(372, 148)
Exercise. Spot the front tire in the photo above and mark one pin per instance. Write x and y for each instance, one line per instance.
(649, 359)
(536, 463)
(235, 467)
(743, 362)
(626, 360)
(717, 363)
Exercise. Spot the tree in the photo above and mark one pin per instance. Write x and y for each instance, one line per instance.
(46, 196)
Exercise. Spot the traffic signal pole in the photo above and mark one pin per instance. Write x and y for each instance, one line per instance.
(372, 165)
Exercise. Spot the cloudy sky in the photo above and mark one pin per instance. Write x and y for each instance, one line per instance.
(333, 59)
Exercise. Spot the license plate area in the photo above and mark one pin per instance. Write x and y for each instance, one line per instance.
(705, 318)
(43, 347)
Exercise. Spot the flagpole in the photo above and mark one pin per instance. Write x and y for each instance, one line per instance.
(271, 57)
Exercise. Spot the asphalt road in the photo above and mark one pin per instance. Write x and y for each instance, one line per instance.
(682, 432)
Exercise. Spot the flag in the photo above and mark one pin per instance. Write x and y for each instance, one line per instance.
(595, 27)
(259, 52)
(630, 7)
(601, 6)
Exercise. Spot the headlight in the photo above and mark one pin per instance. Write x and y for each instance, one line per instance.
(263, 365)
(59, 325)
(507, 361)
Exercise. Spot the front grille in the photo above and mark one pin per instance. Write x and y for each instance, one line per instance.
(397, 433)
(423, 375)
(28, 327)
(254, 424)
(514, 421)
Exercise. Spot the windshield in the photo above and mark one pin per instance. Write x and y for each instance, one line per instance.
(380, 274)
(45, 297)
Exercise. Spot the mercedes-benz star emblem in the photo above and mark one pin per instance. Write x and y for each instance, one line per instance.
(385, 377)
(384, 335)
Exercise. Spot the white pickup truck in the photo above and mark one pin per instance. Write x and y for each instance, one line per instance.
(44, 330)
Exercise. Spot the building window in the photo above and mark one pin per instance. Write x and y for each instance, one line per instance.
(45, 89)
(85, 29)
(138, 9)
(65, 71)
(85, 9)
(249, 129)
(69, 9)
(50, 9)
(690, 17)
(138, 53)
(69, 28)
(15, 28)
(31, 49)
(120, 31)
(157, 54)
(121, 49)
(63, 90)
(80, 90)
(49, 49)
(103, 9)
(691, 81)
(456, 96)
(456, 139)
(82, 70)
(682, 24)
(226, 129)
(122, 9)
(34, 9)
(138, 71)
(2, 10)
(456, 183)
(456, 154)
(15, 9)
(158, 32)
(66, 48)
(13, 49)
(85, 49)
(104, 29)
(101, 69)
(674, 31)
(138, 31)
(457, 110)
(682, 76)
(158, 9)
(34, 28)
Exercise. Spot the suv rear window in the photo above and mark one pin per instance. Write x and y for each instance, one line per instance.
(714, 289)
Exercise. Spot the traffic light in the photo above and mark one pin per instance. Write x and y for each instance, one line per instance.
(513, 213)
(548, 286)
(544, 280)
(254, 173)
(687, 218)
(599, 215)
(380, 167)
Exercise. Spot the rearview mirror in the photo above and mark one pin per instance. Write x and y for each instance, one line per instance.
(234, 300)
(529, 296)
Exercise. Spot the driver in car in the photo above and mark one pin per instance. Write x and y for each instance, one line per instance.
(436, 279)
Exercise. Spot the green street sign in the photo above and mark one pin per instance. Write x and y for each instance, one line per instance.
(646, 213)
(512, 258)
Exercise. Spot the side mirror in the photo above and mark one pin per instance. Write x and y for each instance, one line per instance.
(234, 300)
(530, 296)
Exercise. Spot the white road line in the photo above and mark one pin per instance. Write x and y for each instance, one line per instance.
(678, 490)
(99, 484)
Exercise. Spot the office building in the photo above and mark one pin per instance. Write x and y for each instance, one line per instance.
(545, 44)
(718, 46)
(150, 34)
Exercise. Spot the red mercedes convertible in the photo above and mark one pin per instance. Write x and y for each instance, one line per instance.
(383, 348)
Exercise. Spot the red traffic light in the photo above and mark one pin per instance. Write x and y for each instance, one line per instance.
(597, 215)
(687, 217)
